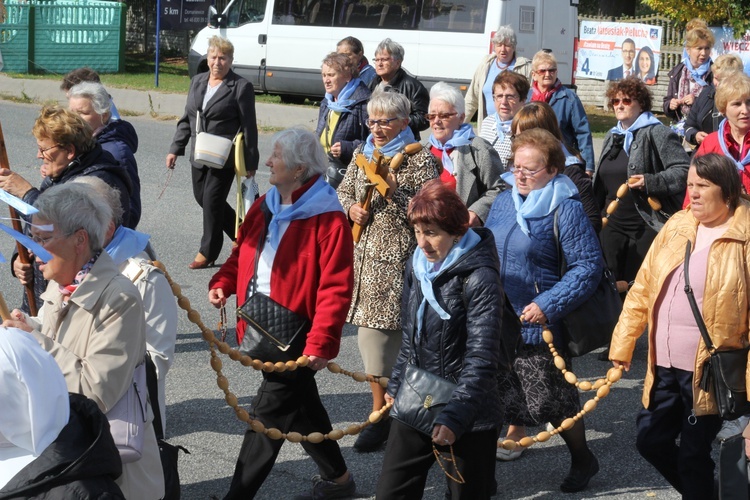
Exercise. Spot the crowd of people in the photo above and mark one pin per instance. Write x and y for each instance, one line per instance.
(429, 248)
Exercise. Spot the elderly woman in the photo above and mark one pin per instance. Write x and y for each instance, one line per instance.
(54, 445)
(732, 138)
(453, 339)
(93, 316)
(353, 49)
(118, 137)
(691, 76)
(646, 66)
(480, 96)
(386, 242)
(306, 219)
(225, 103)
(509, 92)
(541, 115)
(648, 156)
(522, 221)
(674, 404)
(704, 116)
(470, 165)
(391, 76)
(342, 119)
(67, 150)
(574, 124)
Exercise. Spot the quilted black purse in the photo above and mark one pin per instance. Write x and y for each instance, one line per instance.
(421, 397)
(724, 372)
(274, 333)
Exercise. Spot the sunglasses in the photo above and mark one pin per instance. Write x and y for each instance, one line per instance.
(626, 101)
(441, 116)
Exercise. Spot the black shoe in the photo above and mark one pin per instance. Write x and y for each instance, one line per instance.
(323, 489)
(373, 437)
(578, 479)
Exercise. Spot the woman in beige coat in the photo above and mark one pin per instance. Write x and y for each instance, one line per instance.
(92, 319)
(717, 226)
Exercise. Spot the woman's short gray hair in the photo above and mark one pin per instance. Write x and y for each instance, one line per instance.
(71, 206)
(110, 194)
(389, 103)
(94, 92)
(442, 91)
(505, 35)
(301, 148)
(395, 50)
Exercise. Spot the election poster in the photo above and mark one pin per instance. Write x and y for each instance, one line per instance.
(726, 43)
(611, 51)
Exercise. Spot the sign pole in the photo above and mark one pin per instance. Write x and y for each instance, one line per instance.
(158, 42)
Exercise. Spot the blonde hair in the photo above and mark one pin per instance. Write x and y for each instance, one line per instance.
(64, 127)
(541, 57)
(726, 64)
(697, 35)
(221, 45)
(734, 86)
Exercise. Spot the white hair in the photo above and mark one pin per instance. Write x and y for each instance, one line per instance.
(96, 93)
(301, 148)
(442, 91)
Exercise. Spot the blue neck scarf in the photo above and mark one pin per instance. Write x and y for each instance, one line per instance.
(646, 119)
(320, 198)
(502, 128)
(724, 149)
(461, 137)
(426, 272)
(126, 244)
(403, 139)
(699, 72)
(539, 202)
(343, 103)
(570, 158)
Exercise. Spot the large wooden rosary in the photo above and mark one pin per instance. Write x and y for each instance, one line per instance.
(601, 386)
(235, 355)
(621, 192)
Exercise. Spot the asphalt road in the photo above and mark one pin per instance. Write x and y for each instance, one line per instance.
(200, 420)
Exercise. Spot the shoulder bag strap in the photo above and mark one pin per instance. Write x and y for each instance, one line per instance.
(267, 216)
(693, 304)
(153, 395)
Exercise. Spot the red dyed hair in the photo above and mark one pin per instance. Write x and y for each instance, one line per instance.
(437, 204)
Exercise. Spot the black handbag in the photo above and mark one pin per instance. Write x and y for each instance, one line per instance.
(420, 398)
(590, 326)
(274, 333)
(724, 371)
(336, 171)
(168, 453)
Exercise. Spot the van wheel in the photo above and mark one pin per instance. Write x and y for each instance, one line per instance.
(292, 99)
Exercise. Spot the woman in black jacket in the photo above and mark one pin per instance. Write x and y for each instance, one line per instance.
(452, 313)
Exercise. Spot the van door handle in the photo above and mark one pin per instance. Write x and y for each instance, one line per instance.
(262, 39)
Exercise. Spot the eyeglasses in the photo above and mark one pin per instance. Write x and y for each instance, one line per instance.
(43, 241)
(441, 116)
(42, 151)
(386, 122)
(524, 171)
(547, 70)
(379, 60)
(626, 101)
(511, 98)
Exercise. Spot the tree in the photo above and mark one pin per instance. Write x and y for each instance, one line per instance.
(735, 13)
(617, 8)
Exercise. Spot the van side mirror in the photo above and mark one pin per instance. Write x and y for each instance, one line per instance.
(215, 20)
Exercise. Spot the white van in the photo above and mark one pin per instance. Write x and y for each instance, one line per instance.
(280, 44)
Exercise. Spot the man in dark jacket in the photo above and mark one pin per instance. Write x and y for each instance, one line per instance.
(391, 76)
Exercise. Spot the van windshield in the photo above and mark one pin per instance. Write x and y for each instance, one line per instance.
(245, 11)
(467, 16)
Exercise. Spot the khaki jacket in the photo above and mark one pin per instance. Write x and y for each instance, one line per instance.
(97, 340)
(726, 298)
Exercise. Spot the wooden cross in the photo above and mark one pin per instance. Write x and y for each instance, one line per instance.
(376, 173)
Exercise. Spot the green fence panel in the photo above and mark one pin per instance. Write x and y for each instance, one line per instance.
(56, 37)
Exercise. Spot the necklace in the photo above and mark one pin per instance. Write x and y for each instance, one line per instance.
(601, 386)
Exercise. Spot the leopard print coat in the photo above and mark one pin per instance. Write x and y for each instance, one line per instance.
(387, 241)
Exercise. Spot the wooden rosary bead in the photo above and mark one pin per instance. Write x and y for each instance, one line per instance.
(223, 347)
(273, 433)
(375, 417)
(509, 444)
(315, 437)
(603, 391)
(543, 436)
(547, 336)
(235, 355)
(294, 437)
(246, 360)
(396, 161)
(257, 426)
(353, 429)
(303, 361)
(584, 385)
(280, 366)
(231, 399)
(216, 363)
(622, 190)
(359, 376)
(334, 367)
(605, 221)
(291, 365)
(590, 405)
(184, 302)
(654, 204)
(222, 382)
(526, 441)
(612, 207)
(567, 424)
(412, 148)
(614, 374)
(208, 336)
(383, 381)
(268, 367)
(193, 315)
(571, 378)
(243, 415)
(559, 363)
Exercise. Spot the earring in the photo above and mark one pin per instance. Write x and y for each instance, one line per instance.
(455, 240)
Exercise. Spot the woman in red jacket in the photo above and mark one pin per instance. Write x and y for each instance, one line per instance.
(305, 264)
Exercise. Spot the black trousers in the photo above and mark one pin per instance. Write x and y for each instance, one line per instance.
(624, 251)
(210, 188)
(289, 402)
(688, 466)
(409, 456)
